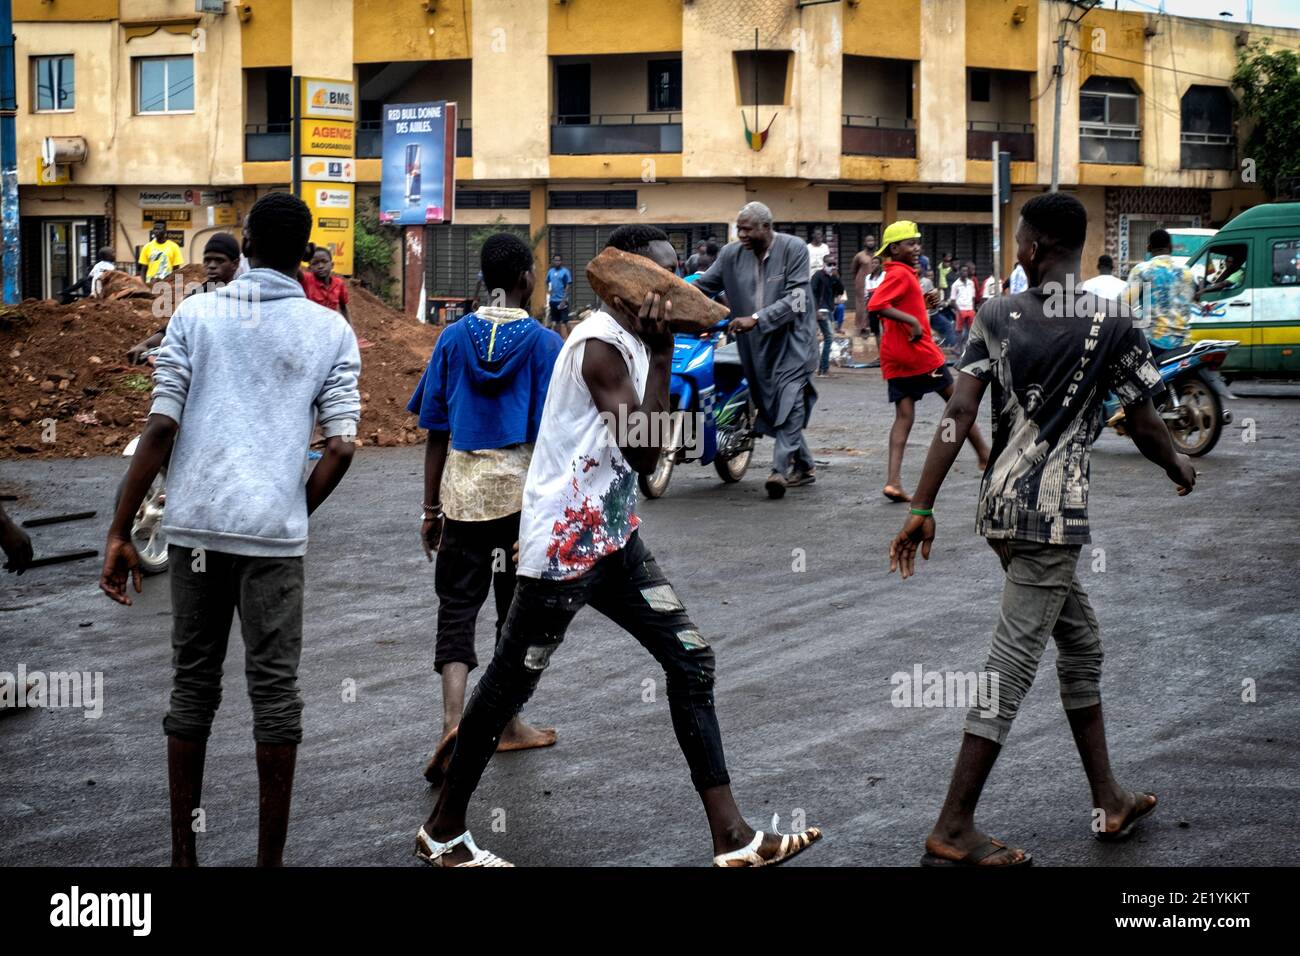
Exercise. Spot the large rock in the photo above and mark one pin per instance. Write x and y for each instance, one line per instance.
(630, 277)
(120, 285)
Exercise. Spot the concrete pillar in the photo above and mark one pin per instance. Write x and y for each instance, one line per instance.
(941, 107)
(322, 38)
(888, 206)
(537, 223)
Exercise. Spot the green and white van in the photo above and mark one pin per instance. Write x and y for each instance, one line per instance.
(1256, 260)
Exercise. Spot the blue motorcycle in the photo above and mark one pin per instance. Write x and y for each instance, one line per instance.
(712, 416)
(1193, 408)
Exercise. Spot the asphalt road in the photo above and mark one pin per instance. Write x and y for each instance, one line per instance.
(1198, 596)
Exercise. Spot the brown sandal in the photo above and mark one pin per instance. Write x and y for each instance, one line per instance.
(977, 856)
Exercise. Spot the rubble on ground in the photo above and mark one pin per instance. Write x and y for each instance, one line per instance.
(67, 391)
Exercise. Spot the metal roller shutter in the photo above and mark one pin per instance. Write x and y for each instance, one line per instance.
(451, 259)
(965, 242)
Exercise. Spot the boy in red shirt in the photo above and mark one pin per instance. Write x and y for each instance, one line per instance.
(910, 362)
(323, 286)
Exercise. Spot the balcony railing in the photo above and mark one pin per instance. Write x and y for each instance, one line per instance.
(1208, 151)
(266, 142)
(1014, 138)
(370, 138)
(1099, 143)
(595, 133)
(878, 136)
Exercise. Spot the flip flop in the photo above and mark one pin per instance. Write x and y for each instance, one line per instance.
(976, 857)
(791, 845)
(1130, 822)
(430, 851)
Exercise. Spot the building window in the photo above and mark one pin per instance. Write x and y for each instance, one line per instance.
(979, 86)
(164, 84)
(492, 199)
(54, 84)
(593, 199)
(762, 77)
(1109, 131)
(845, 200)
(665, 84)
(1207, 138)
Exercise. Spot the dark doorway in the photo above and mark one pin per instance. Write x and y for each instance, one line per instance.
(573, 93)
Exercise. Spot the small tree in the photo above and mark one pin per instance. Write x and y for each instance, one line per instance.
(375, 245)
(1269, 83)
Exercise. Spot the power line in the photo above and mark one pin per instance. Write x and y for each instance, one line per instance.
(1154, 66)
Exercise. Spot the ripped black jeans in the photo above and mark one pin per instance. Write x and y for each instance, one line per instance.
(629, 589)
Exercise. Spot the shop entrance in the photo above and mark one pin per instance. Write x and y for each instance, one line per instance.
(58, 253)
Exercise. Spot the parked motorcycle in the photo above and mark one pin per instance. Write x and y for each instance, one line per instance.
(146, 528)
(1193, 409)
(712, 413)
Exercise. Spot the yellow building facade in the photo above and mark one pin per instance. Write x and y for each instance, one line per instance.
(579, 115)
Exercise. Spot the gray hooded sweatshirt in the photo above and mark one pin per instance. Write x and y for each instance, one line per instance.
(247, 371)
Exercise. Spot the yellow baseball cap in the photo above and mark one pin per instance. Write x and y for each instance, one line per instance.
(899, 231)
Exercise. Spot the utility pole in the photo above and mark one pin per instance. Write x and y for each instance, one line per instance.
(1058, 77)
(12, 264)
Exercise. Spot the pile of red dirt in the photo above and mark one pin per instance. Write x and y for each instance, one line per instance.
(395, 348)
(66, 390)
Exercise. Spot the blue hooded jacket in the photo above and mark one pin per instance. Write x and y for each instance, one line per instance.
(486, 382)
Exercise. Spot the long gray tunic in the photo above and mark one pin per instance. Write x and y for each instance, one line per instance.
(778, 356)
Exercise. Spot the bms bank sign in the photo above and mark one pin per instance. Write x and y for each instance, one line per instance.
(327, 99)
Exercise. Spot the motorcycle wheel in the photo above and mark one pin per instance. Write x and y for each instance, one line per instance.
(732, 469)
(655, 484)
(1201, 417)
(146, 529)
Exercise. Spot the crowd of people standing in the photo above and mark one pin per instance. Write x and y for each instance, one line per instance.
(528, 493)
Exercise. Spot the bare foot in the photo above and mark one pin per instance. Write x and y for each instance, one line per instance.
(1132, 807)
(521, 736)
(436, 768)
(894, 492)
(955, 847)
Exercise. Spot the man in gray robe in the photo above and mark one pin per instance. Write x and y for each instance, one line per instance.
(765, 277)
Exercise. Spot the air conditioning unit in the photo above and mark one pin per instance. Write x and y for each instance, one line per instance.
(62, 150)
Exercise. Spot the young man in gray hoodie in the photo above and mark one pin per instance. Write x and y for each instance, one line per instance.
(244, 375)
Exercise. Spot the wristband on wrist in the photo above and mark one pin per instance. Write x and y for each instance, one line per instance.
(922, 512)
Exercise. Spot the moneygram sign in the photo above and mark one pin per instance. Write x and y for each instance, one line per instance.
(328, 99)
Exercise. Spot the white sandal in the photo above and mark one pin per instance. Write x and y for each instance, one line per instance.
(430, 850)
(791, 843)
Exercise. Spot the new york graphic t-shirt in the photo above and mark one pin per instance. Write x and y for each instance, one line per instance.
(580, 494)
(1049, 375)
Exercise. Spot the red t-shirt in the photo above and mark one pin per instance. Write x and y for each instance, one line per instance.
(331, 295)
(899, 357)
